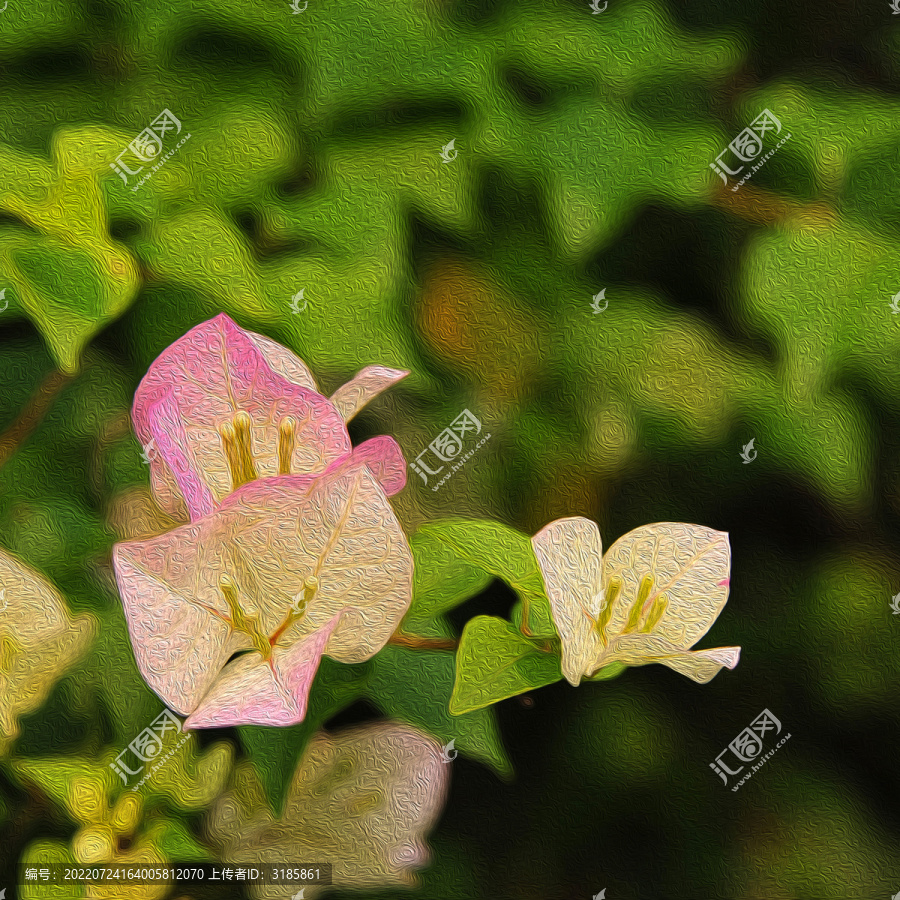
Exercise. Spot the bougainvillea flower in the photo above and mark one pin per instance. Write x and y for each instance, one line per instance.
(39, 640)
(649, 599)
(222, 406)
(364, 797)
(286, 569)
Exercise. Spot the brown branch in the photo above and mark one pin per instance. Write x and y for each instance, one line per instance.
(32, 414)
(416, 642)
(761, 207)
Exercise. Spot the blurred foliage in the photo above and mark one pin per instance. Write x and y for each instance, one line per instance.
(584, 148)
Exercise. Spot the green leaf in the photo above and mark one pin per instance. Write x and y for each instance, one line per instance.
(606, 157)
(275, 751)
(847, 140)
(416, 685)
(442, 578)
(113, 674)
(82, 787)
(822, 298)
(176, 843)
(499, 551)
(495, 662)
(343, 242)
(66, 271)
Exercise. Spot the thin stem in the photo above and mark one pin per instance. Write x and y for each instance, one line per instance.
(762, 207)
(526, 617)
(417, 642)
(32, 415)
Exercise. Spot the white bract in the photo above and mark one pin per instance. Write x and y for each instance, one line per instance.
(654, 594)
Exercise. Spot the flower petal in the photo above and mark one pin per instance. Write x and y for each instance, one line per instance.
(176, 457)
(699, 665)
(364, 797)
(270, 538)
(250, 691)
(210, 374)
(384, 459)
(381, 455)
(703, 665)
(348, 539)
(364, 387)
(39, 640)
(689, 563)
(285, 362)
(168, 592)
(569, 553)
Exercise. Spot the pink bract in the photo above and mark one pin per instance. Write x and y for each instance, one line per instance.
(199, 384)
(318, 564)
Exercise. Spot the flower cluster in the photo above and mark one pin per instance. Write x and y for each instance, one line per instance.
(289, 547)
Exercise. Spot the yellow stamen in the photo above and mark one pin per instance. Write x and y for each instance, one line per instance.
(238, 446)
(229, 592)
(657, 611)
(637, 609)
(298, 608)
(244, 442)
(611, 595)
(287, 434)
(248, 622)
(226, 432)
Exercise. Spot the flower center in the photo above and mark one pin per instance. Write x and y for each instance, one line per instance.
(246, 618)
(237, 442)
(640, 618)
(243, 620)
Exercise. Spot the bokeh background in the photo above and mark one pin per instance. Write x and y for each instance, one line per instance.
(584, 143)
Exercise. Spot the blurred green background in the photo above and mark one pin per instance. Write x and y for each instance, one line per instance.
(584, 143)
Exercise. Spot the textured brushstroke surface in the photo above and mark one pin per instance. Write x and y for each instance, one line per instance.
(271, 540)
(582, 147)
(650, 598)
(364, 797)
